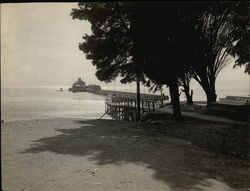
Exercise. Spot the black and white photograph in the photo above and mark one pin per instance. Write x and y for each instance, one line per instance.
(125, 96)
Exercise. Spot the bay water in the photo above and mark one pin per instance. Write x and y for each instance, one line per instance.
(43, 102)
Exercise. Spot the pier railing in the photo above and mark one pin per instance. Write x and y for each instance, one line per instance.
(124, 107)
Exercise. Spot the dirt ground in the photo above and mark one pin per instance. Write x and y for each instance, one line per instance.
(105, 155)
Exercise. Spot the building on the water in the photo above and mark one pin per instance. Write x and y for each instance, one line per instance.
(80, 86)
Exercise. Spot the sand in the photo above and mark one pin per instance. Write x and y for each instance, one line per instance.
(105, 155)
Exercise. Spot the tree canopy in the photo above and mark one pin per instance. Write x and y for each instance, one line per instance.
(110, 44)
(223, 30)
(165, 40)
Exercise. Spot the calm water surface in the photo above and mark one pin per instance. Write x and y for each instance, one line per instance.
(46, 102)
(40, 102)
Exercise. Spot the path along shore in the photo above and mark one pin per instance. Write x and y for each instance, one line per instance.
(100, 155)
(198, 115)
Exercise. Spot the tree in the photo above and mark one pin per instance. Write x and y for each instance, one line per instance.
(167, 45)
(109, 46)
(241, 50)
(184, 82)
(123, 43)
(114, 46)
(219, 34)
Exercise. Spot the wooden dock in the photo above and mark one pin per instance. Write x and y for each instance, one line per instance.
(123, 105)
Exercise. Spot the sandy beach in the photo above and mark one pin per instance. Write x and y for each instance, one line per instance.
(99, 155)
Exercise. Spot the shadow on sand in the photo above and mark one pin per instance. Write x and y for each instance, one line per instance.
(175, 161)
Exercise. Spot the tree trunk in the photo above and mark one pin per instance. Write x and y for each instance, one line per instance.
(185, 83)
(170, 95)
(138, 99)
(189, 96)
(138, 59)
(208, 85)
(211, 95)
(174, 94)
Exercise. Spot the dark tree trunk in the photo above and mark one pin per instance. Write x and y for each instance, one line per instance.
(138, 99)
(174, 94)
(208, 85)
(211, 95)
(138, 59)
(170, 95)
(210, 91)
(185, 83)
(189, 96)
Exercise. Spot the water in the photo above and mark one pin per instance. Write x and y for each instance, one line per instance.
(45, 102)
(42, 102)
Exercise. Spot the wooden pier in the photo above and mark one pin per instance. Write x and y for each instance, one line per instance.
(124, 106)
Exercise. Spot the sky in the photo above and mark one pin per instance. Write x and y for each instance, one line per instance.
(39, 46)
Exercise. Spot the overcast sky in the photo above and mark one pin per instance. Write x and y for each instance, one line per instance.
(39, 46)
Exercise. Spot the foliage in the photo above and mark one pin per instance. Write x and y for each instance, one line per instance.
(93, 88)
(163, 41)
(241, 50)
(109, 46)
(218, 40)
(167, 44)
